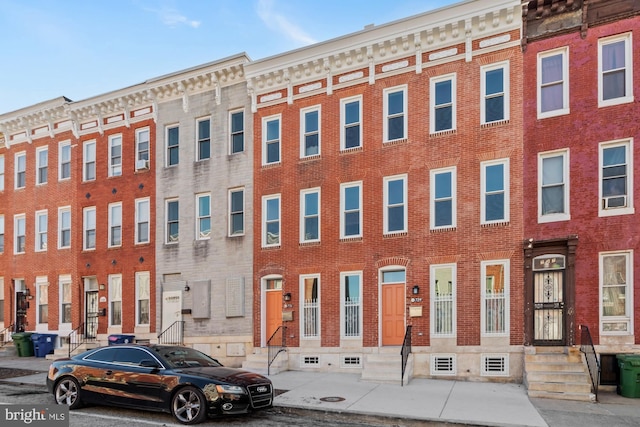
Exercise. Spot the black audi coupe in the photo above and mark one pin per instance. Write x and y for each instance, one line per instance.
(180, 380)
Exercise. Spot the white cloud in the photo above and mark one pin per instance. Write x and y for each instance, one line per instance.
(172, 18)
(280, 23)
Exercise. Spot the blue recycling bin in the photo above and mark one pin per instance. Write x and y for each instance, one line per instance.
(120, 339)
(43, 344)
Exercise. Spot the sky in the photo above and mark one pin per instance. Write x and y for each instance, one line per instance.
(84, 48)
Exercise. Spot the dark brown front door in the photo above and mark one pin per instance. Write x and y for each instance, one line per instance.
(21, 311)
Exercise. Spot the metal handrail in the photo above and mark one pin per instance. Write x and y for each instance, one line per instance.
(78, 336)
(174, 334)
(274, 347)
(406, 350)
(586, 347)
(5, 334)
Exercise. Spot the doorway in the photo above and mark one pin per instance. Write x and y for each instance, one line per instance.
(392, 308)
(273, 307)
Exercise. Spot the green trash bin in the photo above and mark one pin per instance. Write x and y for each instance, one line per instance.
(23, 343)
(629, 375)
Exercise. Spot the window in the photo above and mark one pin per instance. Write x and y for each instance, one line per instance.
(351, 311)
(203, 138)
(395, 204)
(142, 148)
(310, 215)
(21, 170)
(115, 300)
(143, 297)
(172, 210)
(64, 160)
(142, 220)
(236, 211)
(41, 231)
(443, 300)
(20, 232)
(42, 289)
(443, 198)
(616, 178)
(351, 210)
(64, 227)
(553, 181)
(351, 118)
(237, 131)
(271, 220)
(89, 161)
(616, 293)
(2, 298)
(1, 234)
(553, 83)
(395, 116)
(310, 132)
(495, 92)
(65, 299)
(42, 165)
(1, 173)
(494, 282)
(615, 70)
(203, 225)
(115, 155)
(173, 142)
(494, 181)
(89, 225)
(310, 323)
(442, 103)
(270, 140)
(115, 224)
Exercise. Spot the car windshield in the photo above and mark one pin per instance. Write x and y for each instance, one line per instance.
(185, 357)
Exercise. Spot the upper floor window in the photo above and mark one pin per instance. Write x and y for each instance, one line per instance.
(236, 211)
(270, 140)
(310, 131)
(203, 216)
(142, 148)
(494, 202)
(310, 215)
(173, 143)
(494, 84)
(20, 232)
(115, 155)
(1, 234)
(395, 204)
(64, 160)
(173, 220)
(142, 220)
(442, 103)
(203, 138)
(64, 227)
(89, 161)
(553, 186)
(443, 198)
(236, 119)
(395, 114)
(41, 230)
(89, 226)
(1, 173)
(616, 293)
(351, 210)
(615, 70)
(115, 224)
(21, 170)
(42, 165)
(553, 83)
(351, 120)
(271, 220)
(616, 178)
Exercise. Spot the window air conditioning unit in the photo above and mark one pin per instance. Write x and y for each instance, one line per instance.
(614, 202)
(142, 164)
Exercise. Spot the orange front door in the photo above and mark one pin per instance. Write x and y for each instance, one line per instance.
(273, 313)
(393, 314)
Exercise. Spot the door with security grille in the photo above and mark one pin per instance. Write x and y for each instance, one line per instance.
(548, 303)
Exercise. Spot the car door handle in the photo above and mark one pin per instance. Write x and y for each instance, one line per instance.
(109, 372)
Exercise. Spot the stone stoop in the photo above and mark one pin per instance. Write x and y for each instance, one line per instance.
(386, 367)
(8, 350)
(63, 352)
(557, 373)
(258, 362)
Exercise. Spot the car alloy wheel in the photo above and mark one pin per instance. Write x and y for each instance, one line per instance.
(68, 393)
(189, 405)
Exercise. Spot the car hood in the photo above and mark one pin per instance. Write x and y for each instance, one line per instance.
(227, 375)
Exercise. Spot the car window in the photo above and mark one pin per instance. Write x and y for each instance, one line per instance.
(103, 355)
(185, 357)
(131, 356)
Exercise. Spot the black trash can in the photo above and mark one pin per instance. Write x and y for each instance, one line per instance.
(23, 343)
(120, 339)
(43, 344)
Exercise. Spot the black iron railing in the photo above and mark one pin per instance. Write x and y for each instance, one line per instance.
(586, 347)
(84, 333)
(276, 344)
(406, 350)
(5, 335)
(174, 334)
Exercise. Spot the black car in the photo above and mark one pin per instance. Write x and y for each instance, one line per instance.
(180, 380)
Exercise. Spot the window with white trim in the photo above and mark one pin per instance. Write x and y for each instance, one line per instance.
(351, 210)
(42, 295)
(115, 155)
(271, 140)
(310, 215)
(442, 103)
(172, 209)
(203, 139)
(616, 178)
(42, 165)
(271, 220)
(142, 148)
(89, 228)
(1, 234)
(395, 204)
(64, 160)
(65, 299)
(41, 230)
(115, 300)
(494, 309)
(20, 232)
(553, 186)
(115, 224)
(203, 216)
(143, 217)
(443, 300)
(64, 227)
(2, 297)
(143, 297)
(89, 161)
(443, 198)
(494, 201)
(616, 293)
(615, 70)
(494, 86)
(236, 124)
(310, 131)
(173, 145)
(351, 123)
(236, 212)
(1, 172)
(20, 170)
(351, 304)
(553, 83)
(310, 290)
(395, 114)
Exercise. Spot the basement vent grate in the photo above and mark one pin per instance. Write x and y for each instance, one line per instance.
(351, 361)
(310, 360)
(443, 364)
(494, 365)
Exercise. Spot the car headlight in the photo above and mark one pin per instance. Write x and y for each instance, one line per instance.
(230, 389)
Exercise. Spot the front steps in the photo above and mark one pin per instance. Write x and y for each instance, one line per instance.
(557, 373)
(258, 362)
(385, 366)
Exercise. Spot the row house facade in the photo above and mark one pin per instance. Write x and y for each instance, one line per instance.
(388, 194)
(582, 68)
